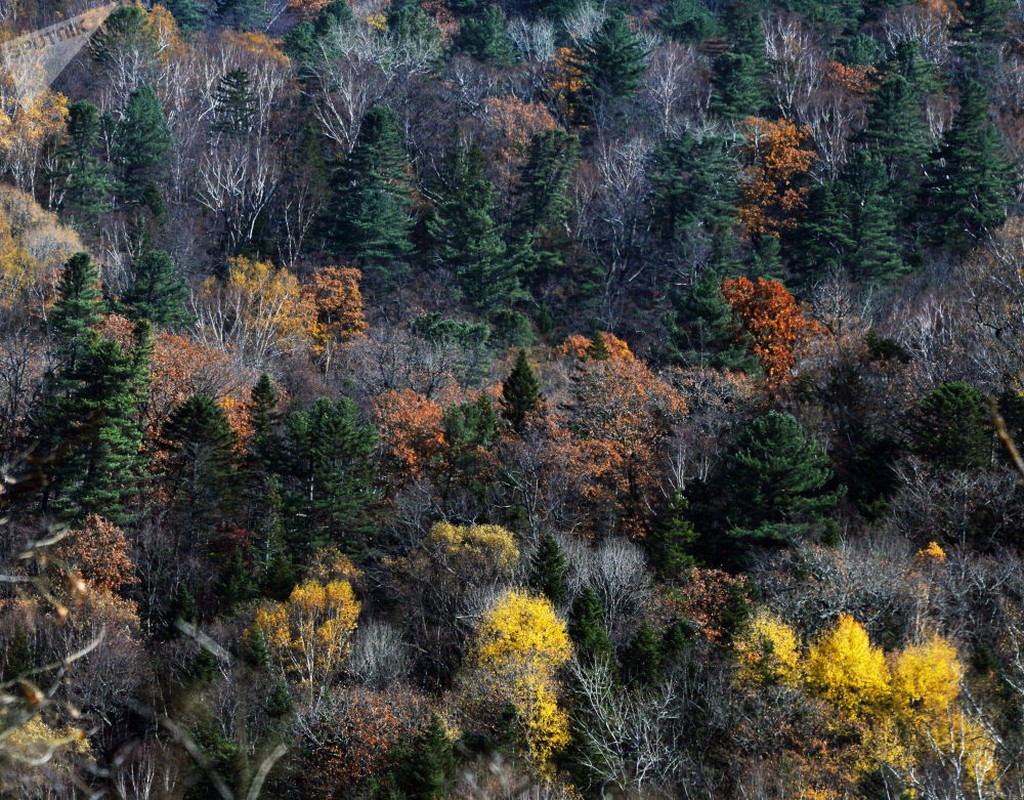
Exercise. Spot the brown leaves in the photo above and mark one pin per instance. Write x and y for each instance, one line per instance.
(770, 190)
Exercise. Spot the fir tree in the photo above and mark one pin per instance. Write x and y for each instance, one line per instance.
(327, 478)
(705, 332)
(156, 292)
(586, 628)
(547, 571)
(951, 427)
(688, 21)
(970, 180)
(422, 771)
(255, 652)
(820, 246)
(262, 409)
(597, 350)
(611, 62)
(234, 111)
(484, 36)
(280, 703)
(740, 75)
(189, 14)
(369, 217)
(874, 256)
(777, 482)
(641, 660)
(237, 583)
(520, 393)
(670, 539)
(466, 237)
(201, 468)
(83, 179)
(141, 142)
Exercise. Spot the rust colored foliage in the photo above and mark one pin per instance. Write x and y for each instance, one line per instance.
(565, 80)
(307, 9)
(776, 323)
(771, 194)
(181, 367)
(579, 347)
(413, 428)
(335, 294)
(855, 79)
(516, 122)
(98, 552)
(704, 598)
(358, 732)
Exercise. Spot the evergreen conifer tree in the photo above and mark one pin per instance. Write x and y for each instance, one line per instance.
(951, 427)
(190, 15)
(484, 36)
(547, 571)
(327, 479)
(368, 218)
(670, 539)
(641, 660)
(423, 770)
(520, 393)
(968, 190)
(142, 140)
(466, 237)
(83, 179)
(776, 479)
(586, 628)
(740, 74)
(688, 21)
(234, 111)
(705, 332)
(875, 253)
(822, 242)
(156, 292)
(597, 350)
(611, 63)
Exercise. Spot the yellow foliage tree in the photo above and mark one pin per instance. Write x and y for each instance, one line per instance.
(767, 651)
(310, 634)
(844, 668)
(519, 646)
(473, 549)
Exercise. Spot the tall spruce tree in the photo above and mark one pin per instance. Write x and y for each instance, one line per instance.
(547, 571)
(951, 427)
(82, 179)
(156, 293)
(586, 628)
(200, 467)
(141, 142)
(92, 420)
(234, 110)
(670, 539)
(327, 479)
(520, 393)
(468, 240)
(688, 21)
(777, 480)
(369, 216)
(821, 244)
(741, 73)
(611, 63)
(874, 254)
(484, 36)
(969, 185)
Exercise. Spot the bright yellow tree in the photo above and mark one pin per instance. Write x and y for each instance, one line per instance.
(767, 651)
(519, 646)
(310, 634)
(844, 668)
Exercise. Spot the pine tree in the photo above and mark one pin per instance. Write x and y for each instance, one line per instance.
(142, 140)
(200, 466)
(641, 660)
(740, 75)
(670, 539)
(327, 479)
(484, 36)
(262, 410)
(597, 350)
(951, 427)
(688, 21)
(156, 292)
(423, 770)
(93, 415)
(369, 217)
(234, 111)
(898, 129)
(547, 571)
(189, 14)
(586, 628)
(611, 63)
(875, 253)
(705, 332)
(776, 479)
(820, 246)
(969, 184)
(83, 179)
(466, 237)
(237, 583)
(520, 393)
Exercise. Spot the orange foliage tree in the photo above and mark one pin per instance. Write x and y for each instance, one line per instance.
(770, 190)
(774, 320)
(335, 294)
(98, 552)
(413, 428)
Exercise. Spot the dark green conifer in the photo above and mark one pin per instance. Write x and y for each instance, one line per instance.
(156, 293)
(368, 218)
(423, 770)
(190, 15)
(466, 237)
(611, 62)
(141, 143)
(262, 408)
(670, 539)
(951, 427)
(547, 571)
(280, 701)
(484, 36)
(82, 178)
(597, 350)
(254, 647)
(969, 184)
(234, 111)
(777, 482)
(688, 21)
(520, 393)
(822, 243)
(586, 628)
(641, 660)
(874, 256)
